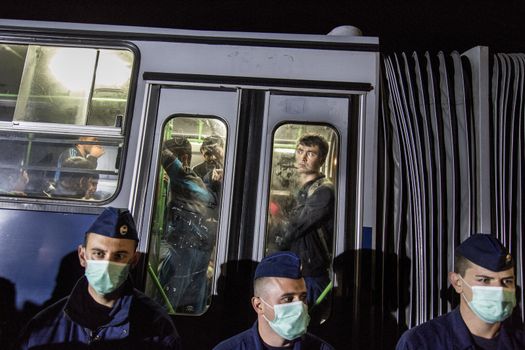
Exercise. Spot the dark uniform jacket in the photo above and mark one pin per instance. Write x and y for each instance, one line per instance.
(136, 322)
(450, 332)
(250, 340)
(309, 233)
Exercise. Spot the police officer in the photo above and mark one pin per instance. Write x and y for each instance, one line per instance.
(280, 303)
(103, 310)
(484, 277)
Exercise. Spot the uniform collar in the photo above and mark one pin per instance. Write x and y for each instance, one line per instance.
(119, 313)
(463, 339)
(259, 342)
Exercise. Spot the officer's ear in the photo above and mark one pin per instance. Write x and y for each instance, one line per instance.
(257, 305)
(82, 255)
(456, 282)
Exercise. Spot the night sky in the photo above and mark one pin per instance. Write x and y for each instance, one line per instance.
(402, 25)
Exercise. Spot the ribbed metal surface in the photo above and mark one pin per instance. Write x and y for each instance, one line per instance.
(431, 161)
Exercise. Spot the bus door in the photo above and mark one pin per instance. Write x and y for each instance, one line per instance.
(326, 209)
(191, 172)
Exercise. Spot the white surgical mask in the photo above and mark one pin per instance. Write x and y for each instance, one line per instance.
(491, 304)
(291, 319)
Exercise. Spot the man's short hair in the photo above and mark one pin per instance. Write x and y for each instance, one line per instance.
(259, 286)
(315, 140)
(461, 264)
(212, 141)
(179, 146)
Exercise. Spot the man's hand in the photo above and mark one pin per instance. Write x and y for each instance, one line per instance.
(96, 151)
(217, 174)
(167, 157)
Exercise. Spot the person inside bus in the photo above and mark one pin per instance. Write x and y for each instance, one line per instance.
(212, 150)
(484, 278)
(211, 170)
(73, 182)
(91, 152)
(189, 233)
(279, 300)
(308, 228)
(104, 310)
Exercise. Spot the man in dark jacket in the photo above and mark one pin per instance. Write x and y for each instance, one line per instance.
(310, 226)
(91, 152)
(104, 311)
(75, 180)
(280, 303)
(212, 150)
(485, 279)
(189, 233)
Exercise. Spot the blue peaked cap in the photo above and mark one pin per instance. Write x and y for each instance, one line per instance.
(115, 223)
(280, 264)
(486, 251)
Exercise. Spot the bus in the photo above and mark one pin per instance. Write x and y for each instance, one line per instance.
(423, 150)
(109, 97)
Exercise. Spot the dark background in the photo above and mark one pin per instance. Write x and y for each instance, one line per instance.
(402, 25)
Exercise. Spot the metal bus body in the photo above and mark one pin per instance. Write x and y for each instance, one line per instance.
(248, 87)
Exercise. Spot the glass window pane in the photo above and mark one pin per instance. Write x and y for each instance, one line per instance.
(186, 213)
(111, 88)
(56, 85)
(58, 167)
(302, 199)
(66, 85)
(12, 58)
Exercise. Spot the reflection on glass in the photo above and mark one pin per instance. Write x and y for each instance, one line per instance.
(67, 85)
(187, 213)
(302, 199)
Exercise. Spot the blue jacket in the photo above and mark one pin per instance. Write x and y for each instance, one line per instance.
(450, 332)
(250, 340)
(136, 322)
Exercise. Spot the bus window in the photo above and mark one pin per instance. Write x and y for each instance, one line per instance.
(302, 200)
(59, 167)
(186, 213)
(82, 91)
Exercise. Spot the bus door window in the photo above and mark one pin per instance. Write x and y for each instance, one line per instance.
(186, 212)
(302, 200)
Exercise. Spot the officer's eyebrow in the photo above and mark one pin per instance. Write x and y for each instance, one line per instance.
(493, 278)
(98, 249)
(291, 294)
